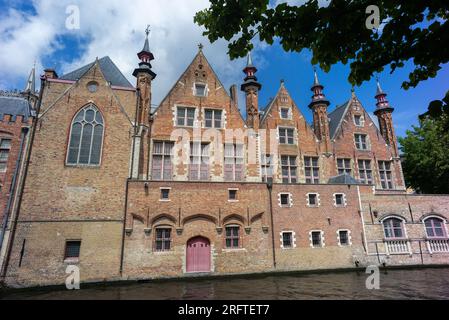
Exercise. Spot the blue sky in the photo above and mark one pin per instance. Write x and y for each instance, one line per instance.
(34, 30)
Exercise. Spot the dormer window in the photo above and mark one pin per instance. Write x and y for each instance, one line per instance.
(200, 89)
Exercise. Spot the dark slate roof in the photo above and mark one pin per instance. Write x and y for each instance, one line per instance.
(335, 118)
(109, 69)
(343, 179)
(15, 106)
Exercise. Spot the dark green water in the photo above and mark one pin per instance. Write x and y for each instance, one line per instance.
(429, 283)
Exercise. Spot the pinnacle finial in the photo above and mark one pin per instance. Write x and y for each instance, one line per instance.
(200, 46)
(249, 61)
(315, 82)
(379, 89)
(147, 30)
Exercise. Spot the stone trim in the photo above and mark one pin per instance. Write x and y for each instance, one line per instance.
(349, 238)
(293, 239)
(345, 203)
(290, 200)
(317, 199)
(323, 244)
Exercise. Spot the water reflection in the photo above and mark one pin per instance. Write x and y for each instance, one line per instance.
(395, 284)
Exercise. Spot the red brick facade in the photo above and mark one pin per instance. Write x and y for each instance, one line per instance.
(136, 212)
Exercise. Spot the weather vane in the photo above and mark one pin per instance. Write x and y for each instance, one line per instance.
(200, 46)
(147, 30)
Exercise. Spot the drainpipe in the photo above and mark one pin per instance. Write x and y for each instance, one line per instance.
(270, 189)
(149, 144)
(12, 190)
(25, 175)
(122, 252)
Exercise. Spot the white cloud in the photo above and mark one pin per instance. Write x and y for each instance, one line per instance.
(114, 28)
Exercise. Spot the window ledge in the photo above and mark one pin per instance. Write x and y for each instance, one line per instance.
(234, 250)
(72, 261)
(162, 200)
(233, 201)
(83, 166)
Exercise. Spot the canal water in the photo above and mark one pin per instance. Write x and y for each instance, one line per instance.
(429, 283)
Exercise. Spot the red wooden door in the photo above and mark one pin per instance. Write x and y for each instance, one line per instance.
(198, 255)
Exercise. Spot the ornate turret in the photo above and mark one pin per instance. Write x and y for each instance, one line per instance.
(251, 88)
(319, 106)
(384, 114)
(29, 91)
(141, 143)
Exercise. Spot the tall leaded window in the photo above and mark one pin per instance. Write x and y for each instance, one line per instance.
(161, 162)
(233, 162)
(232, 237)
(365, 171)
(312, 170)
(213, 118)
(267, 167)
(286, 135)
(199, 161)
(385, 174)
(162, 240)
(361, 141)
(289, 169)
(5, 147)
(185, 116)
(86, 137)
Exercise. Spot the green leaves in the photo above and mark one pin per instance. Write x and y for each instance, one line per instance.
(412, 31)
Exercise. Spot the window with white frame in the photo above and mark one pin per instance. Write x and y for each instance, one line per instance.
(287, 240)
(385, 174)
(161, 160)
(344, 238)
(358, 120)
(285, 113)
(289, 169)
(312, 170)
(165, 194)
(199, 161)
(394, 228)
(313, 200)
(365, 171)
(361, 141)
(185, 116)
(267, 167)
(5, 148)
(316, 239)
(340, 200)
(286, 135)
(200, 89)
(213, 118)
(233, 162)
(435, 227)
(344, 166)
(86, 137)
(285, 200)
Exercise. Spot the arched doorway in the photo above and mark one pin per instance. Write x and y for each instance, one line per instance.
(198, 255)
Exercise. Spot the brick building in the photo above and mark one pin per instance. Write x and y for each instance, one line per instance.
(128, 191)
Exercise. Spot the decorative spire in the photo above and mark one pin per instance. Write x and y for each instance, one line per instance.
(31, 83)
(145, 57)
(317, 89)
(249, 61)
(250, 71)
(381, 97)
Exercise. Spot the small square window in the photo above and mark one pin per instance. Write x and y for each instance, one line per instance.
(287, 240)
(285, 113)
(165, 194)
(233, 195)
(285, 199)
(343, 235)
(313, 199)
(200, 89)
(358, 121)
(72, 249)
(339, 200)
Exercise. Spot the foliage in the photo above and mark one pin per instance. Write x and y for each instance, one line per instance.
(416, 31)
(426, 150)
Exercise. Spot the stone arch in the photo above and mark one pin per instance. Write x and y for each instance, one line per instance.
(234, 217)
(162, 216)
(199, 217)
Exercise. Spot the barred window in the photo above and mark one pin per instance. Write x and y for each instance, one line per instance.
(72, 249)
(286, 135)
(365, 171)
(86, 137)
(213, 118)
(312, 170)
(287, 239)
(5, 148)
(199, 161)
(163, 239)
(162, 162)
(233, 162)
(289, 167)
(185, 116)
(343, 236)
(317, 240)
(385, 174)
(344, 166)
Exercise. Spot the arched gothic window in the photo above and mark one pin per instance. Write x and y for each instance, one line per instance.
(86, 137)
(394, 228)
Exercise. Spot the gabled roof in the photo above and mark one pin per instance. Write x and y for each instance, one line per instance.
(336, 117)
(15, 106)
(110, 71)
